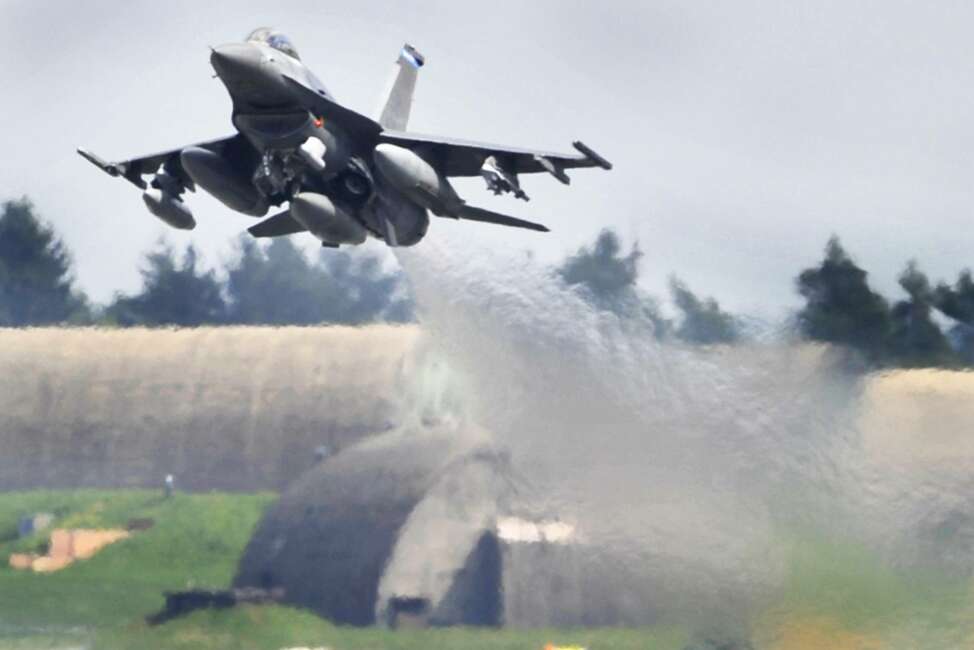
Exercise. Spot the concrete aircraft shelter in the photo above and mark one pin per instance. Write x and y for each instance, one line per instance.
(337, 533)
(416, 525)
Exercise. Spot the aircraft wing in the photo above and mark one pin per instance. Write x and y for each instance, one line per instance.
(133, 169)
(463, 158)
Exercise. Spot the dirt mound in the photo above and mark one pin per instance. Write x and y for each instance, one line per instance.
(66, 547)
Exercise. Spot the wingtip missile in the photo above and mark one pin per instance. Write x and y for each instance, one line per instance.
(589, 153)
(114, 169)
(109, 168)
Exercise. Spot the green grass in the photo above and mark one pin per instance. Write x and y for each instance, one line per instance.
(197, 541)
(849, 584)
(262, 628)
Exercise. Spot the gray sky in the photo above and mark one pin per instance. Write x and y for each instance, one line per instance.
(743, 133)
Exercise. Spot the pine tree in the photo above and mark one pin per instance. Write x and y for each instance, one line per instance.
(840, 307)
(957, 302)
(173, 293)
(703, 321)
(36, 282)
(280, 286)
(607, 278)
(915, 339)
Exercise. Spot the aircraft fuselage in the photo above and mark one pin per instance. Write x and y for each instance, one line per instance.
(300, 153)
(345, 176)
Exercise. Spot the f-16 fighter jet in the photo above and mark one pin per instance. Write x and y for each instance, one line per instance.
(344, 176)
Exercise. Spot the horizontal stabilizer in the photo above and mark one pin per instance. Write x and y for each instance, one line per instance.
(471, 213)
(330, 110)
(279, 225)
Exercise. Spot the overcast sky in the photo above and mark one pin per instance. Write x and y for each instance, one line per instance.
(743, 133)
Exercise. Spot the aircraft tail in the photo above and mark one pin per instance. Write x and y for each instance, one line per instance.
(471, 213)
(394, 113)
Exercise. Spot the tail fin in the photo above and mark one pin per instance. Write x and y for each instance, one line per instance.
(394, 113)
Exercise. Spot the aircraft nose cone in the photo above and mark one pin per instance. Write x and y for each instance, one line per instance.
(252, 76)
(236, 60)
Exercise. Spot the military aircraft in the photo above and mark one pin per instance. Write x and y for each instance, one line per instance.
(345, 176)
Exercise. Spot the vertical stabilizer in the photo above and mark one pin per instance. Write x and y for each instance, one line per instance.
(394, 113)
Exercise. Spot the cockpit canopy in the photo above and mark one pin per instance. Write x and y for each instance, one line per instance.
(275, 39)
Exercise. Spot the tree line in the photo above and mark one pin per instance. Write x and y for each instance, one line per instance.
(262, 285)
(276, 284)
(841, 308)
(933, 326)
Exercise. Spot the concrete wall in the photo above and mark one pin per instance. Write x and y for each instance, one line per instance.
(220, 408)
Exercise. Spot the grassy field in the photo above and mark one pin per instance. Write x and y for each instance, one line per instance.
(834, 595)
(196, 542)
